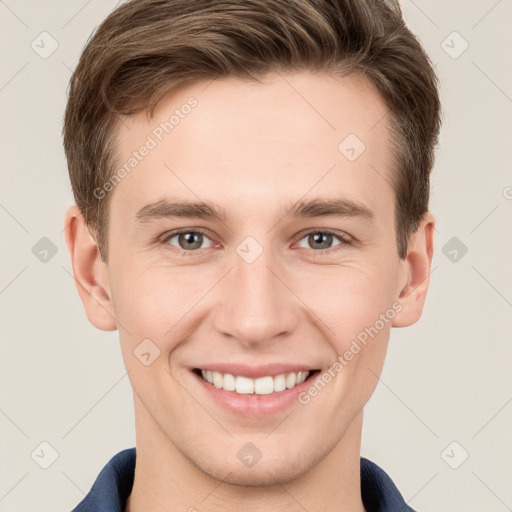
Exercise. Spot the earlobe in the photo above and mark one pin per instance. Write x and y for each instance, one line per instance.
(89, 271)
(417, 269)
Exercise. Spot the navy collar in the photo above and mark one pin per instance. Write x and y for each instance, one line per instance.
(115, 481)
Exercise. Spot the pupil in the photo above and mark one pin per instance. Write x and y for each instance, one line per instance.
(326, 237)
(190, 240)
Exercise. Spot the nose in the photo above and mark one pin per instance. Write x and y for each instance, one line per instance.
(256, 305)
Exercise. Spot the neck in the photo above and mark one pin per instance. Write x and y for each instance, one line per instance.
(167, 481)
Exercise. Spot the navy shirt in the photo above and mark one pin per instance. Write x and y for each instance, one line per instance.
(114, 484)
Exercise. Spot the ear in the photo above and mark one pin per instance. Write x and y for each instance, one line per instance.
(89, 270)
(416, 272)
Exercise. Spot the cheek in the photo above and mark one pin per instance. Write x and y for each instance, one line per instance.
(152, 304)
(154, 300)
(354, 305)
(358, 310)
(347, 298)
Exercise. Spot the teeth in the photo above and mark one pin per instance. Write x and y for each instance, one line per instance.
(229, 382)
(217, 380)
(291, 380)
(248, 386)
(244, 385)
(279, 382)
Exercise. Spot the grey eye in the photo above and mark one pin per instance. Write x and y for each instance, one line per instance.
(188, 240)
(320, 240)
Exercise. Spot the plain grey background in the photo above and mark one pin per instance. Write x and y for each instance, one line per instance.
(440, 420)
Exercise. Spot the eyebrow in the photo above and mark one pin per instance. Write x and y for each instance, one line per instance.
(165, 208)
(339, 207)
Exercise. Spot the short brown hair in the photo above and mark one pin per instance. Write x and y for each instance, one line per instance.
(146, 47)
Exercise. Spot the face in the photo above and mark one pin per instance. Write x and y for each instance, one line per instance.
(287, 261)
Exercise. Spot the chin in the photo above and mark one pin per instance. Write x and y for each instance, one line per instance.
(277, 468)
(261, 475)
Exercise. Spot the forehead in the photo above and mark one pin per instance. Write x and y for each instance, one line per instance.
(229, 139)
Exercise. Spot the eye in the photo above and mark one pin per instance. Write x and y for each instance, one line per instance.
(322, 240)
(187, 240)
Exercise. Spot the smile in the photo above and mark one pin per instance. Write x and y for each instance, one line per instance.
(249, 391)
(260, 386)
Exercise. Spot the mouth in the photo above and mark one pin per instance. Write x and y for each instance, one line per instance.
(262, 385)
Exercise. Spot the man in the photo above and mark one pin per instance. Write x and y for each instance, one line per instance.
(252, 184)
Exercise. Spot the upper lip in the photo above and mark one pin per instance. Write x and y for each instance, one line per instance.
(254, 372)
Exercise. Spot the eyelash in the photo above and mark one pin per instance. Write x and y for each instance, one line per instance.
(342, 237)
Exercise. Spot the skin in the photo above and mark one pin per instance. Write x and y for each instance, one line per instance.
(253, 149)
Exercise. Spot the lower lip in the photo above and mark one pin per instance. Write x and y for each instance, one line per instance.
(252, 405)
